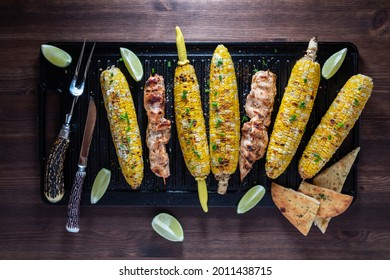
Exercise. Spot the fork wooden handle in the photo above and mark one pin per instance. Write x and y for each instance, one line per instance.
(53, 187)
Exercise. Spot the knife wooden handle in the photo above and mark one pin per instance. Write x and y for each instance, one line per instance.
(54, 175)
(72, 224)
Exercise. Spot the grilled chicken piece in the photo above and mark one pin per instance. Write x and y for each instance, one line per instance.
(259, 106)
(158, 131)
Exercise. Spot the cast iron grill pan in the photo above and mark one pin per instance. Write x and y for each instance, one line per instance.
(161, 58)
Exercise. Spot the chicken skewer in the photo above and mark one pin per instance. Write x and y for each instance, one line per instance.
(158, 131)
(258, 107)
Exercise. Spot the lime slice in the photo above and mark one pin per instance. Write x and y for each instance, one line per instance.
(333, 63)
(56, 56)
(133, 64)
(100, 185)
(250, 199)
(168, 227)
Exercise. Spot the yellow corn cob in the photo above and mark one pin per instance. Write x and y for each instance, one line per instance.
(190, 123)
(335, 125)
(123, 124)
(224, 118)
(294, 112)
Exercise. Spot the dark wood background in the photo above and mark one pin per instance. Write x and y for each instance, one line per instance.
(30, 229)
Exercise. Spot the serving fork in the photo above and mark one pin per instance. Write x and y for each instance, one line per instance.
(53, 174)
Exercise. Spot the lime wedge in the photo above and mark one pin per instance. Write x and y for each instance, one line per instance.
(168, 227)
(250, 199)
(100, 185)
(333, 63)
(133, 64)
(56, 56)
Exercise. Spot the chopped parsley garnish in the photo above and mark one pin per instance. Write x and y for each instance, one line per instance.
(302, 105)
(219, 62)
(340, 125)
(214, 147)
(207, 90)
(219, 121)
(245, 119)
(355, 102)
(293, 117)
(125, 117)
(184, 94)
(359, 88)
(196, 153)
(169, 64)
(220, 77)
(255, 70)
(214, 104)
(322, 196)
(219, 160)
(329, 137)
(187, 110)
(191, 123)
(305, 80)
(215, 93)
(317, 157)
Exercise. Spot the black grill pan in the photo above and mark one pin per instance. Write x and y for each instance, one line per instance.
(161, 58)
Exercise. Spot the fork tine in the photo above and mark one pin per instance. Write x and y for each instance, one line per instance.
(88, 62)
(76, 73)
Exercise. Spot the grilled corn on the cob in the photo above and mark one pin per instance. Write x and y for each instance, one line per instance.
(190, 123)
(123, 124)
(224, 122)
(294, 112)
(335, 125)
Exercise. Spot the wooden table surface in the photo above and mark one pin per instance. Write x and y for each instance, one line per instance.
(31, 229)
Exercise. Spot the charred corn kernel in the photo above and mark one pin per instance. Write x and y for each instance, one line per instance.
(190, 123)
(335, 125)
(123, 124)
(294, 112)
(224, 121)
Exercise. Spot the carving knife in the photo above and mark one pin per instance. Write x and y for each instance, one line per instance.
(72, 224)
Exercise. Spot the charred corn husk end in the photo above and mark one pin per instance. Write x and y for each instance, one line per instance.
(335, 125)
(294, 112)
(123, 124)
(224, 117)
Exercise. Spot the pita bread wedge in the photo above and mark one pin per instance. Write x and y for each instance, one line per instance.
(333, 178)
(332, 203)
(297, 207)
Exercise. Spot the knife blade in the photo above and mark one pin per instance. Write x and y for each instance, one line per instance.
(72, 224)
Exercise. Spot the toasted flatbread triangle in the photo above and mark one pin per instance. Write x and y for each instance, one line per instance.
(297, 207)
(333, 178)
(332, 203)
